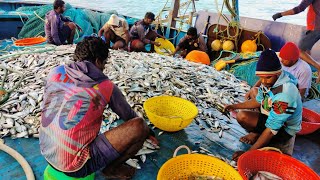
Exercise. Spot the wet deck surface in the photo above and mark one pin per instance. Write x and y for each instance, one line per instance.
(307, 150)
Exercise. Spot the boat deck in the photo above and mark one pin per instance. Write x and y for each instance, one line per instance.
(306, 149)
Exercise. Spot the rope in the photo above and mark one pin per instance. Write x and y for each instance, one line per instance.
(39, 16)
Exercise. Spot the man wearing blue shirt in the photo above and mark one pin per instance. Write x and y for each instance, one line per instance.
(280, 105)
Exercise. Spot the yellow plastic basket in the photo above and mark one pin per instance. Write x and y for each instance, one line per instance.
(165, 48)
(183, 166)
(170, 113)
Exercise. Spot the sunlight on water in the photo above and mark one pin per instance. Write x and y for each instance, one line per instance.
(248, 8)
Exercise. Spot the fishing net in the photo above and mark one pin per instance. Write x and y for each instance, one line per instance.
(90, 21)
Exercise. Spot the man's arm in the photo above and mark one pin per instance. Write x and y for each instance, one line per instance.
(100, 32)
(302, 92)
(55, 30)
(127, 37)
(251, 104)
(263, 139)
(120, 106)
(296, 10)
(65, 19)
(202, 44)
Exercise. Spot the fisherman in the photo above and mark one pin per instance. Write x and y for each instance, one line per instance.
(289, 57)
(141, 34)
(58, 28)
(191, 41)
(280, 104)
(312, 33)
(75, 98)
(116, 30)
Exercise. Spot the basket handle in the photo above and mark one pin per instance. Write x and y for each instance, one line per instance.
(181, 147)
(271, 149)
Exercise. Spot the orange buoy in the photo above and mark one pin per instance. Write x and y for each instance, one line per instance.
(198, 57)
(30, 41)
(249, 46)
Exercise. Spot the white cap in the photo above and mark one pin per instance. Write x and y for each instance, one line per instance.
(114, 20)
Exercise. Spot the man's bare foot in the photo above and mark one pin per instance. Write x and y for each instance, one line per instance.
(121, 172)
(250, 138)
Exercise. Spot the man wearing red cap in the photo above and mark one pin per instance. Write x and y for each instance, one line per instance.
(280, 105)
(312, 34)
(289, 57)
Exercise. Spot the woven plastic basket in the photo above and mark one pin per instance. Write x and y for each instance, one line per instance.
(165, 48)
(170, 113)
(310, 122)
(183, 166)
(277, 163)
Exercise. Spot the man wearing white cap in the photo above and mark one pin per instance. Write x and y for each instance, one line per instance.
(116, 30)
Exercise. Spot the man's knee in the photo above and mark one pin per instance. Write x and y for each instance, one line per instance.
(118, 45)
(137, 45)
(72, 26)
(140, 127)
(152, 35)
(241, 117)
(254, 92)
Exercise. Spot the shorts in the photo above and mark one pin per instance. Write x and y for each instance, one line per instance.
(64, 34)
(282, 135)
(308, 39)
(102, 153)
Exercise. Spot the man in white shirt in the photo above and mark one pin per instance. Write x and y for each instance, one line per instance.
(116, 30)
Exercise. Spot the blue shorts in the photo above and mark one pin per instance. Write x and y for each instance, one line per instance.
(308, 39)
(282, 135)
(102, 153)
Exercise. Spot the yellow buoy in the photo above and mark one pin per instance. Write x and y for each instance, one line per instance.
(249, 46)
(228, 45)
(216, 45)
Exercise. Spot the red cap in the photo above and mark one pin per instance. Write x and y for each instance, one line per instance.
(290, 52)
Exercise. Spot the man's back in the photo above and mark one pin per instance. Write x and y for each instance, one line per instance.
(302, 71)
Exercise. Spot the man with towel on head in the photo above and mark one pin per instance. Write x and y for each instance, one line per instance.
(116, 30)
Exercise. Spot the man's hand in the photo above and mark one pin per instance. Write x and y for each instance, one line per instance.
(157, 44)
(247, 96)
(318, 79)
(276, 16)
(79, 28)
(236, 155)
(152, 137)
(229, 108)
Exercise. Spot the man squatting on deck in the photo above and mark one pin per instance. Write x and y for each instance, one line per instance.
(116, 30)
(191, 41)
(142, 34)
(59, 29)
(312, 33)
(280, 105)
(74, 101)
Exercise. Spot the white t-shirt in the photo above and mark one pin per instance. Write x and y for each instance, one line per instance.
(302, 71)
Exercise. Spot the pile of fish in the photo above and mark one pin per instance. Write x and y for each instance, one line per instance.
(138, 75)
(141, 76)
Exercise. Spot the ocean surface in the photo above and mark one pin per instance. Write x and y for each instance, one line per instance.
(261, 9)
